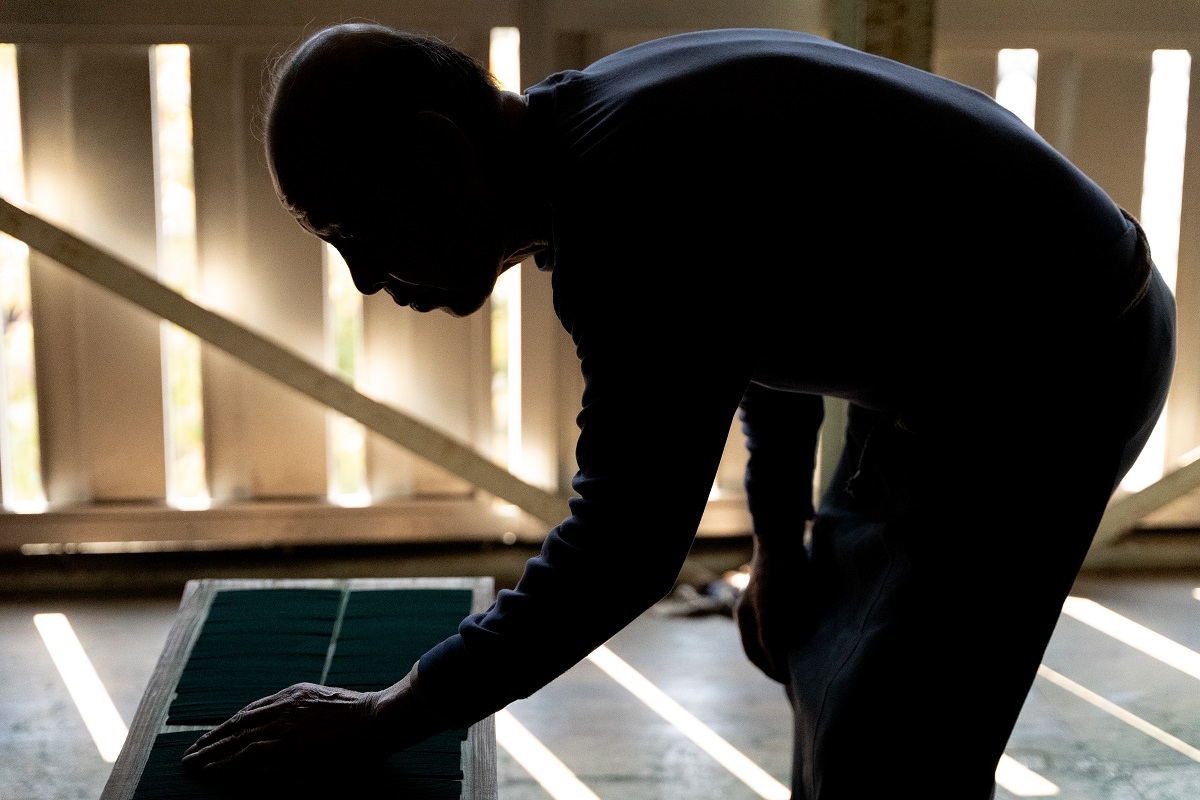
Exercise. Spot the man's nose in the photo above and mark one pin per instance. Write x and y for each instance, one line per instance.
(366, 280)
(366, 285)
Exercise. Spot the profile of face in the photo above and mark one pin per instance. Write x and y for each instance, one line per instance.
(437, 251)
(401, 194)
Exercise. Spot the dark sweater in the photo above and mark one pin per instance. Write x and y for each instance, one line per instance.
(766, 209)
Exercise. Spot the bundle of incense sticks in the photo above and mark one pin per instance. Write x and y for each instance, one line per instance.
(255, 642)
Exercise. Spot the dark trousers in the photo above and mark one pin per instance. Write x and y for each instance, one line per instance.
(941, 556)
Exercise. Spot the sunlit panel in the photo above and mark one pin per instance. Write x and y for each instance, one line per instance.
(133, 546)
(732, 759)
(536, 759)
(20, 454)
(187, 485)
(1166, 137)
(1109, 707)
(506, 369)
(1018, 779)
(1131, 633)
(1016, 82)
(1162, 200)
(101, 717)
(504, 62)
(504, 57)
(346, 438)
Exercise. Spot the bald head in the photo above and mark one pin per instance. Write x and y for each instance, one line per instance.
(339, 117)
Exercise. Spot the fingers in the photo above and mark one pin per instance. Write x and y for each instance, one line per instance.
(754, 644)
(239, 722)
(270, 699)
(245, 737)
(228, 744)
(758, 657)
(241, 752)
(285, 731)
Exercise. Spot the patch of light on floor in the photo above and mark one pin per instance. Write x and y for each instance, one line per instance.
(536, 759)
(99, 714)
(1120, 713)
(1016, 778)
(1131, 633)
(657, 700)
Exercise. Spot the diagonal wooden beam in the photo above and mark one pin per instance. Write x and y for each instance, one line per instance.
(278, 362)
(1147, 551)
(1124, 514)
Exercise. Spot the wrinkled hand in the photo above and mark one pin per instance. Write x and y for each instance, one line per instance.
(291, 731)
(774, 610)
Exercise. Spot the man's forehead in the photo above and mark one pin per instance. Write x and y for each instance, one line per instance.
(314, 223)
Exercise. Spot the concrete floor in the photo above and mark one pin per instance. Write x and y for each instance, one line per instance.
(1103, 747)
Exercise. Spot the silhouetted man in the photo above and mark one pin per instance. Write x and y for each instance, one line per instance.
(746, 222)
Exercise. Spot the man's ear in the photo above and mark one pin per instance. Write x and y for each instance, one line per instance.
(443, 152)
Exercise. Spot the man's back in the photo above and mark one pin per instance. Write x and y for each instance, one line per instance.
(819, 188)
(849, 138)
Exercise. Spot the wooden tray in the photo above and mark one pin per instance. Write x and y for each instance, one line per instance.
(478, 749)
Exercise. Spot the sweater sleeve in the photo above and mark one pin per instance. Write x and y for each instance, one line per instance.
(662, 387)
(781, 430)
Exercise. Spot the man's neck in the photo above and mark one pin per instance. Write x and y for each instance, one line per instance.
(520, 180)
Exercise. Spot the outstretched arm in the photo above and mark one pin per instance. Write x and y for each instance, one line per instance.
(662, 388)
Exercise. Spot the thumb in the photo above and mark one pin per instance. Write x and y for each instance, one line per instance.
(749, 628)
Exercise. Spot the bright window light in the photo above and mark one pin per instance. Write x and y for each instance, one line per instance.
(541, 764)
(1109, 707)
(187, 485)
(1018, 779)
(1016, 82)
(504, 62)
(20, 453)
(1162, 199)
(101, 717)
(504, 57)
(732, 759)
(506, 368)
(346, 438)
(1166, 137)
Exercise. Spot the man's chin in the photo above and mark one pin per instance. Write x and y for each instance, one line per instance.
(460, 306)
(464, 309)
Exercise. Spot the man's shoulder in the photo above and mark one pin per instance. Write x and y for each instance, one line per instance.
(716, 45)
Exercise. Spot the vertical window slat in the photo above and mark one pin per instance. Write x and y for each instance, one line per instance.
(504, 62)
(346, 438)
(1162, 202)
(183, 407)
(1016, 82)
(20, 451)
